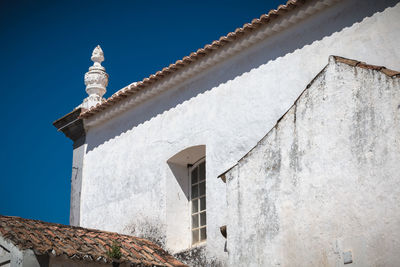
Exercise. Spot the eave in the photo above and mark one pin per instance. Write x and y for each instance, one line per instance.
(71, 124)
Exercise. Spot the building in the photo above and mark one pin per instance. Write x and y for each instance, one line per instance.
(146, 160)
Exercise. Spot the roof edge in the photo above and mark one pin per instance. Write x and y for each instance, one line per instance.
(332, 59)
(363, 65)
(71, 124)
(251, 33)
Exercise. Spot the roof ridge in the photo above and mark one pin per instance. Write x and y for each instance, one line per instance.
(193, 57)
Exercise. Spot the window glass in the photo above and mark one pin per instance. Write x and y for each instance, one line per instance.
(194, 176)
(202, 187)
(198, 199)
(195, 206)
(202, 219)
(202, 170)
(202, 203)
(195, 236)
(195, 191)
(203, 234)
(195, 221)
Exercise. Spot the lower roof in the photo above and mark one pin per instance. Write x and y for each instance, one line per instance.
(81, 244)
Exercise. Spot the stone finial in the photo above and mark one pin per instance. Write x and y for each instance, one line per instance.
(97, 56)
(96, 80)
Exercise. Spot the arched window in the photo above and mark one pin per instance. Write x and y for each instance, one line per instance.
(186, 199)
(198, 201)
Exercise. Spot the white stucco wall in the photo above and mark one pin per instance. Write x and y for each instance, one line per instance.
(325, 180)
(17, 257)
(5, 255)
(76, 181)
(228, 109)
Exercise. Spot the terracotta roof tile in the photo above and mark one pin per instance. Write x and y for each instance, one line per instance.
(359, 64)
(81, 243)
(389, 72)
(193, 57)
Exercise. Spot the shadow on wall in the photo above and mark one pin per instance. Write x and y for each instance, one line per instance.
(312, 29)
(179, 165)
(180, 172)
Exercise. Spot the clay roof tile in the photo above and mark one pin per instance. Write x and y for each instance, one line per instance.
(389, 72)
(194, 56)
(80, 243)
(359, 64)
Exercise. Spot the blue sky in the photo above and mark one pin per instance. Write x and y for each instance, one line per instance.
(45, 49)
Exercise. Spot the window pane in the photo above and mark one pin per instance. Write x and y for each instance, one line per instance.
(195, 221)
(203, 234)
(194, 175)
(202, 175)
(195, 236)
(195, 206)
(203, 219)
(202, 188)
(203, 203)
(195, 191)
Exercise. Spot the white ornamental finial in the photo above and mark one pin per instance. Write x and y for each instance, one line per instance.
(96, 80)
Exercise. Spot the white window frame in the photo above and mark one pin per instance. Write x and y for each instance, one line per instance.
(198, 199)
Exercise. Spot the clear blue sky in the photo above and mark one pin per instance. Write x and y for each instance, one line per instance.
(45, 49)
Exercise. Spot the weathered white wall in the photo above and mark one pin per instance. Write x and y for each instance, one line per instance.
(19, 258)
(325, 180)
(76, 181)
(5, 256)
(228, 109)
